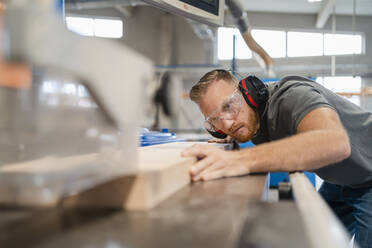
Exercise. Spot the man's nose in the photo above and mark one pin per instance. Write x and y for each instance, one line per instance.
(226, 124)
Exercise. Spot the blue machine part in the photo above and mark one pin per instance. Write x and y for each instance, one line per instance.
(60, 6)
(274, 80)
(246, 144)
(149, 138)
(277, 177)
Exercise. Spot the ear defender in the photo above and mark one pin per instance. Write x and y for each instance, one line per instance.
(254, 91)
(218, 134)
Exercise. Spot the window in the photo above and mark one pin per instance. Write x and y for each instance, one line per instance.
(301, 44)
(342, 84)
(349, 87)
(67, 94)
(336, 44)
(272, 41)
(225, 44)
(280, 44)
(80, 25)
(106, 28)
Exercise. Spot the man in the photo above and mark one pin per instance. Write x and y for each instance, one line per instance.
(302, 126)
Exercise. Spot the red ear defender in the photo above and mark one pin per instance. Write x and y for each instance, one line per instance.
(248, 98)
(255, 92)
(218, 134)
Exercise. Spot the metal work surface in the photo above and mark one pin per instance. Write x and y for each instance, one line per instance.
(209, 214)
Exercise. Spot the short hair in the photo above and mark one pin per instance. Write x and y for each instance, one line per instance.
(200, 88)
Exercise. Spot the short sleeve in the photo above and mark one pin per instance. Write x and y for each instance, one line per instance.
(293, 103)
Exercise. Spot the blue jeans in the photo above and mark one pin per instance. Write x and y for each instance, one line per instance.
(354, 209)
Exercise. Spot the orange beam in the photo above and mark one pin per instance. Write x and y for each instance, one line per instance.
(364, 92)
(14, 75)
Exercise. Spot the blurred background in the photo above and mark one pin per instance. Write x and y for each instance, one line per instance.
(328, 41)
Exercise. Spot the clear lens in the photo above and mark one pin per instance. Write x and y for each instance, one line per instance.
(227, 111)
(209, 126)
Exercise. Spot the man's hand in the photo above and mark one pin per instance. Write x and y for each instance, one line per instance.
(215, 140)
(213, 163)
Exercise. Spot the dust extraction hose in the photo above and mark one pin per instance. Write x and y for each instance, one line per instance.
(242, 23)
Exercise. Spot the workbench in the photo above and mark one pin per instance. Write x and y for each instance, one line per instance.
(222, 213)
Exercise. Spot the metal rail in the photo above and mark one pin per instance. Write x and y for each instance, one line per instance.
(322, 226)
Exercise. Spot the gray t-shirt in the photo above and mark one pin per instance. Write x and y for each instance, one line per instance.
(292, 98)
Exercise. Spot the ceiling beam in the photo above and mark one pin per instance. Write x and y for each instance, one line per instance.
(324, 13)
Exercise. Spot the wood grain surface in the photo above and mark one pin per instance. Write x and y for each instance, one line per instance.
(161, 172)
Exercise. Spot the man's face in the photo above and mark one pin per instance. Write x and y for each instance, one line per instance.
(245, 124)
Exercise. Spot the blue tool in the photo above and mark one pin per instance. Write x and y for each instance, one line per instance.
(149, 138)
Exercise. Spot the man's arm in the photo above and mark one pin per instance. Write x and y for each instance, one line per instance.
(320, 140)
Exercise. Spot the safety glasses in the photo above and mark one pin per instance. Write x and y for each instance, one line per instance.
(228, 110)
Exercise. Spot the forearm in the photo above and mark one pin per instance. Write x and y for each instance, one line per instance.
(304, 151)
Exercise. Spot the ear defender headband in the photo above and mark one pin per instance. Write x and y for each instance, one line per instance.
(255, 93)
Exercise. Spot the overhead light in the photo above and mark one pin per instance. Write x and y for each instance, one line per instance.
(313, 1)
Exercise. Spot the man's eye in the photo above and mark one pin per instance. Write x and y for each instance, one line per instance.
(227, 106)
(213, 120)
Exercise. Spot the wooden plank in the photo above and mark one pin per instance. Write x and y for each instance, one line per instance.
(161, 173)
(97, 180)
(42, 182)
